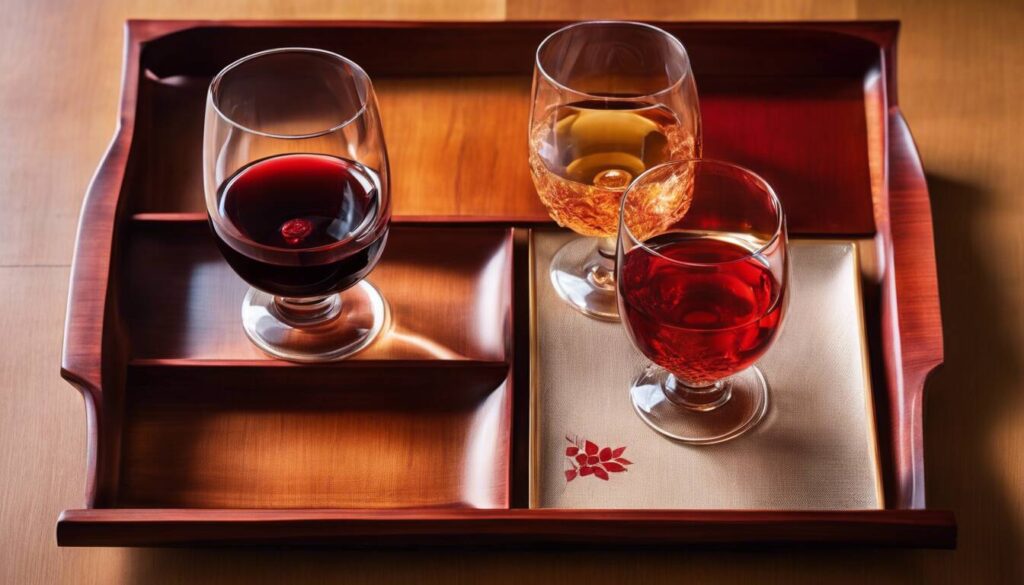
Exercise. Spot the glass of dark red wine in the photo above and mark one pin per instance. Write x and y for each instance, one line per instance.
(297, 190)
(702, 276)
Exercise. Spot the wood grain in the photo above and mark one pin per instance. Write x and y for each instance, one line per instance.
(960, 89)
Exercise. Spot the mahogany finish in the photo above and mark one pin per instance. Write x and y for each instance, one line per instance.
(197, 438)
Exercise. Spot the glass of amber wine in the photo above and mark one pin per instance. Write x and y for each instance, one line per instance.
(610, 100)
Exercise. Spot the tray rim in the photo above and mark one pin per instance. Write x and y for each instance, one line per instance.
(515, 526)
(903, 232)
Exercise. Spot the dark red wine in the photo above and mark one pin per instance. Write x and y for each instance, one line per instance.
(702, 322)
(302, 225)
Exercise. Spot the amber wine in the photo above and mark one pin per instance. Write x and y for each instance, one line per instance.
(585, 154)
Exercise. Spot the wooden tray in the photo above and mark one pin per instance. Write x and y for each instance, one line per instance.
(196, 438)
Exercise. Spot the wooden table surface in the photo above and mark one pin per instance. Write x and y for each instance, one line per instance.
(961, 88)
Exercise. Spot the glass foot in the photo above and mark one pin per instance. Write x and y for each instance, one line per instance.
(315, 330)
(726, 412)
(585, 278)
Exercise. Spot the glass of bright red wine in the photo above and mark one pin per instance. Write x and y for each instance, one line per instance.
(702, 276)
(297, 190)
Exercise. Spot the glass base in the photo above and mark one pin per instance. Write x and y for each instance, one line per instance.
(315, 330)
(700, 416)
(585, 278)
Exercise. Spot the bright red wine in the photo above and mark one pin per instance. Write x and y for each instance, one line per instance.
(700, 322)
(302, 225)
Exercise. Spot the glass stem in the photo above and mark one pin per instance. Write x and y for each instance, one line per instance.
(699, 398)
(308, 311)
(601, 272)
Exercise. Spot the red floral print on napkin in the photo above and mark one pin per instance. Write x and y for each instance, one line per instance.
(586, 458)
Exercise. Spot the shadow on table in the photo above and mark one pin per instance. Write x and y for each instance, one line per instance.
(153, 567)
(966, 399)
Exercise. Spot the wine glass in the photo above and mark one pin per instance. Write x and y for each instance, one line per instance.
(610, 100)
(297, 191)
(702, 276)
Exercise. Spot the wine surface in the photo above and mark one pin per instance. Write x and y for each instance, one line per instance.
(701, 321)
(303, 224)
(584, 155)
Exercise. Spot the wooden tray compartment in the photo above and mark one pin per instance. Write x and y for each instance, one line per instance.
(816, 448)
(422, 418)
(788, 102)
(449, 290)
(160, 359)
(417, 435)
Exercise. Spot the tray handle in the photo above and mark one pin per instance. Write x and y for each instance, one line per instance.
(912, 325)
(90, 271)
(82, 357)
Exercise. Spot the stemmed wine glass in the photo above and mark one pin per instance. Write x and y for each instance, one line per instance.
(297, 190)
(610, 100)
(702, 276)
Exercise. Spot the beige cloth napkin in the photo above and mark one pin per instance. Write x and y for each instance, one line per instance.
(815, 449)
